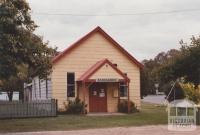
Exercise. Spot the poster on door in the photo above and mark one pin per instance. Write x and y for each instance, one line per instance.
(102, 93)
(94, 93)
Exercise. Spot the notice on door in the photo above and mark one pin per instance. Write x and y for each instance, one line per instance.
(94, 93)
(102, 93)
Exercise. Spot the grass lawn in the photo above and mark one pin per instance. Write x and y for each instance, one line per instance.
(149, 115)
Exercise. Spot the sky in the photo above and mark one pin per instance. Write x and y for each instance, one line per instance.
(143, 27)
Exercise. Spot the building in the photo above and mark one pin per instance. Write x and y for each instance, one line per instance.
(95, 69)
(4, 96)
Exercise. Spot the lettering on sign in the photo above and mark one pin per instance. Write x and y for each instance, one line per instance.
(106, 80)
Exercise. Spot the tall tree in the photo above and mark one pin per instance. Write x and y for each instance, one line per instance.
(186, 65)
(20, 47)
(150, 73)
(190, 62)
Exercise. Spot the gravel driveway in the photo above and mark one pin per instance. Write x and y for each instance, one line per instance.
(143, 130)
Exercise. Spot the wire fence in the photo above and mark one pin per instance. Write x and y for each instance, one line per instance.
(19, 109)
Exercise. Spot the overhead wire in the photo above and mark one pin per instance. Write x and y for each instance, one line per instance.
(118, 14)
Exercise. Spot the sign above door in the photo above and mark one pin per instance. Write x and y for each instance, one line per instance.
(107, 80)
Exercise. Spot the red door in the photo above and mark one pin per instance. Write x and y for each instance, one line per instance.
(98, 98)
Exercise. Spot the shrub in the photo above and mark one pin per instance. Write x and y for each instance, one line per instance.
(75, 107)
(191, 92)
(123, 107)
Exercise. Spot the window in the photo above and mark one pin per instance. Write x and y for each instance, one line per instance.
(70, 85)
(123, 89)
(173, 111)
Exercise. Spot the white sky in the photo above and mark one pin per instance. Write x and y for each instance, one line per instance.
(144, 36)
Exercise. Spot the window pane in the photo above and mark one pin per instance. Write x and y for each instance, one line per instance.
(70, 91)
(70, 85)
(70, 78)
(123, 90)
(181, 111)
(190, 112)
(173, 111)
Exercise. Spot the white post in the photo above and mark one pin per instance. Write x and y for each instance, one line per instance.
(169, 122)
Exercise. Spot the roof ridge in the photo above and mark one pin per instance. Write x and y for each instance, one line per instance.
(110, 39)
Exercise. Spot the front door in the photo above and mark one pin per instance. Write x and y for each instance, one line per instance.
(98, 98)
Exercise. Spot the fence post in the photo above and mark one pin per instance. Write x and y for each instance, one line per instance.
(18, 109)
(56, 107)
(52, 109)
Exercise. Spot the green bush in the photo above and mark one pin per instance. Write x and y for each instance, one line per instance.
(123, 107)
(76, 107)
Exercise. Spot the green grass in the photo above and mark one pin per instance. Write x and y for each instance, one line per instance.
(149, 115)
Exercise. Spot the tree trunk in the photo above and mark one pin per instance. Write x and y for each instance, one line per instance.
(10, 95)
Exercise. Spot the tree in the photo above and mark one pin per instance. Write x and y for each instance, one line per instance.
(20, 47)
(189, 65)
(15, 83)
(147, 81)
(150, 73)
(186, 65)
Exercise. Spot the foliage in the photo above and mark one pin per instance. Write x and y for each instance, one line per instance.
(75, 107)
(15, 83)
(186, 65)
(123, 107)
(190, 63)
(20, 47)
(150, 73)
(191, 92)
(167, 67)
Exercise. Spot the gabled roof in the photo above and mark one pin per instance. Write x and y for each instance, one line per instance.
(110, 39)
(181, 103)
(85, 76)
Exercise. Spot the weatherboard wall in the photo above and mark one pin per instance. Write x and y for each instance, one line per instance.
(39, 89)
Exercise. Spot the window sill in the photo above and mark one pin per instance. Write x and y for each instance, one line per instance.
(71, 98)
(123, 97)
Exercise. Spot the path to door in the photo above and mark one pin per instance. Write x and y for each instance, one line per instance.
(143, 130)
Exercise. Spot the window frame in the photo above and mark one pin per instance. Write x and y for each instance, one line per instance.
(125, 89)
(72, 85)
